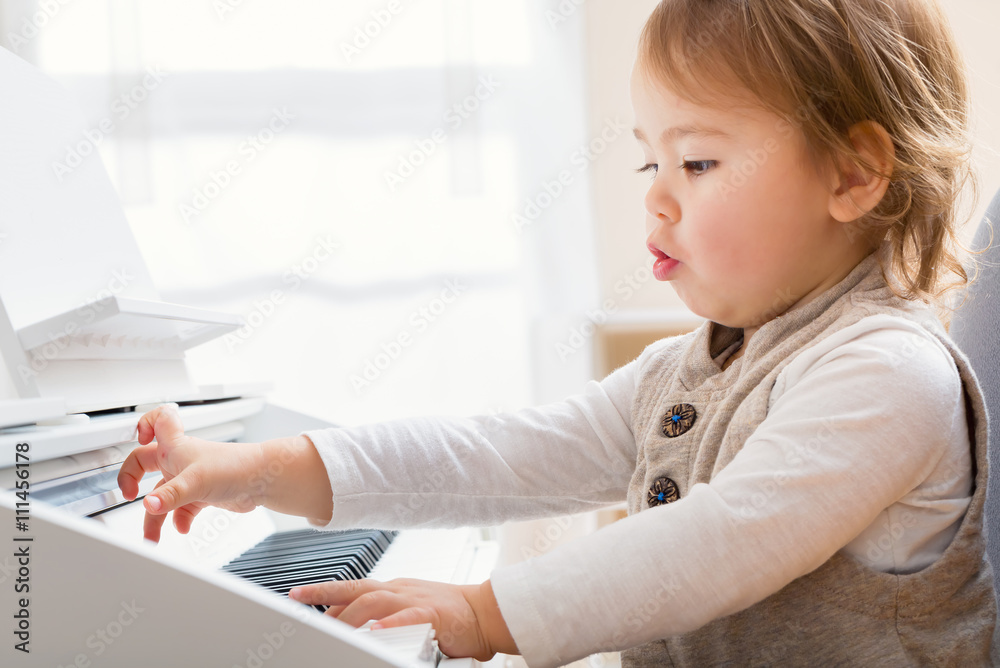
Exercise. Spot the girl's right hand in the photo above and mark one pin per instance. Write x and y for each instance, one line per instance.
(196, 473)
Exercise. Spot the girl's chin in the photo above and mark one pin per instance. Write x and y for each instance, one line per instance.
(717, 315)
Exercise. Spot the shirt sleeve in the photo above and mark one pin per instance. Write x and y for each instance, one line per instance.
(561, 458)
(853, 429)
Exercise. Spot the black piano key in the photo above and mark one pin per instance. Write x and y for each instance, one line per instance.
(345, 569)
(350, 563)
(270, 550)
(289, 563)
(299, 553)
(286, 584)
(284, 543)
(312, 552)
(291, 559)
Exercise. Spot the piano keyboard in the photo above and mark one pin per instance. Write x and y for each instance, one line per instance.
(290, 559)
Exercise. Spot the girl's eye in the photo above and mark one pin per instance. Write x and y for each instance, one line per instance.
(649, 167)
(698, 167)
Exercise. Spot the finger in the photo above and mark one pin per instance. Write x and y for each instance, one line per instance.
(179, 491)
(184, 517)
(407, 617)
(334, 592)
(151, 526)
(139, 462)
(144, 429)
(168, 425)
(372, 605)
(164, 420)
(334, 610)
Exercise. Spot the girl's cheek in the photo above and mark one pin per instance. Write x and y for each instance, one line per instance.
(703, 234)
(737, 179)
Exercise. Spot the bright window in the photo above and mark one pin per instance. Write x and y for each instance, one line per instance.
(345, 176)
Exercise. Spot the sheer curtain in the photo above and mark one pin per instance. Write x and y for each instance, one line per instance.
(392, 194)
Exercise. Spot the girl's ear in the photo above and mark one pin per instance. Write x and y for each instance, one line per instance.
(858, 190)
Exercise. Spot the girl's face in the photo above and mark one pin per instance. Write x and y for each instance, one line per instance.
(737, 206)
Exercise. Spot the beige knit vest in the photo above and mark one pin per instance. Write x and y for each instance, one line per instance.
(843, 613)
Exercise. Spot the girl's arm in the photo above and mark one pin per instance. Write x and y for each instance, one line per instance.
(565, 457)
(562, 458)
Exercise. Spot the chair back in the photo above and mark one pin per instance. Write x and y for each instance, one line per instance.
(975, 327)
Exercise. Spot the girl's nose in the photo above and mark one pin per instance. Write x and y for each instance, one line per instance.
(660, 205)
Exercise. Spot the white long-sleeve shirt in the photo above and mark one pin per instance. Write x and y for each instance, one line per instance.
(888, 485)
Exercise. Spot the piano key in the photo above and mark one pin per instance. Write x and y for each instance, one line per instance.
(314, 545)
(345, 570)
(347, 562)
(289, 564)
(315, 557)
(298, 557)
(261, 560)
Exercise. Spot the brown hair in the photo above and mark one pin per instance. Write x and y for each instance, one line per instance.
(826, 65)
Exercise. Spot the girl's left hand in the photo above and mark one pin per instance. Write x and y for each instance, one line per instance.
(466, 618)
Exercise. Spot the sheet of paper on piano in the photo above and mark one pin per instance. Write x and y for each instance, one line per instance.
(86, 345)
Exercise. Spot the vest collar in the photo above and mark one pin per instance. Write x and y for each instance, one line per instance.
(713, 338)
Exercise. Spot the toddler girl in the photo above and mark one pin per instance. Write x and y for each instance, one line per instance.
(805, 473)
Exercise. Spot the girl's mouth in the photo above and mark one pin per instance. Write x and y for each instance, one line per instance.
(664, 265)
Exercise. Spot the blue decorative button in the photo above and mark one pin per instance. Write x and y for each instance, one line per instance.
(678, 420)
(663, 491)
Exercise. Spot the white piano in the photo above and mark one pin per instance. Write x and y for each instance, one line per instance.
(86, 346)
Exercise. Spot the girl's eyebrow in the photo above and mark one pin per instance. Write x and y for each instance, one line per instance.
(675, 133)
